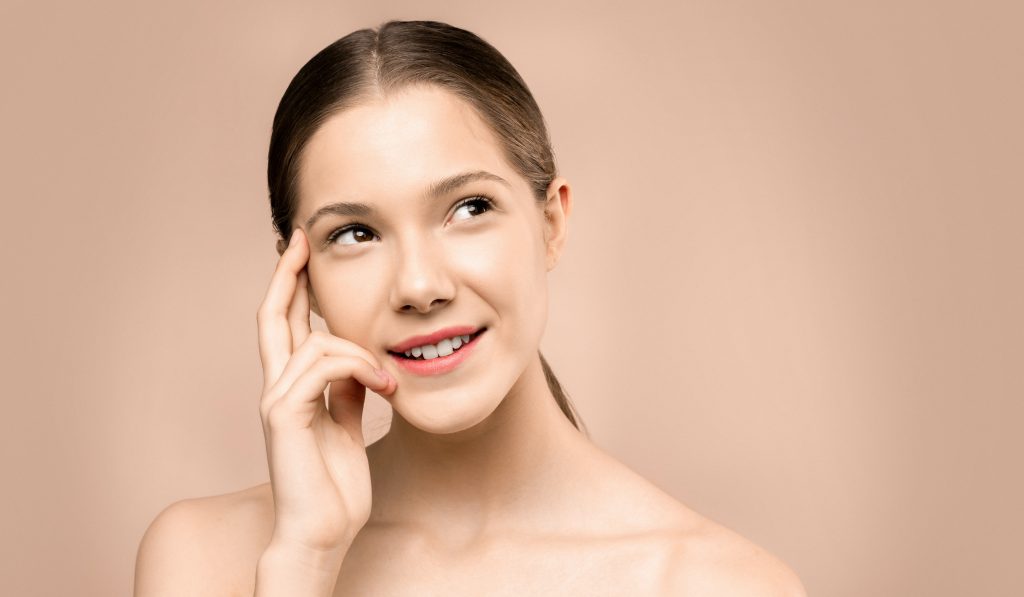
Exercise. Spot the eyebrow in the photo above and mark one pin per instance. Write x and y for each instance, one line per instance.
(435, 190)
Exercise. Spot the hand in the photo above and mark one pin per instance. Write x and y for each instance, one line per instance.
(319, 472)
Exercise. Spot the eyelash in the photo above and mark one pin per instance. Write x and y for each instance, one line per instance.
(475, 199)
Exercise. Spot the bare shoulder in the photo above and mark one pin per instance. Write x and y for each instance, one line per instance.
(694, 555)
(205, 546)
(710, 559)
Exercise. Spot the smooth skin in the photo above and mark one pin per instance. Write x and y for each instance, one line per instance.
(319, 472)
(481, 486)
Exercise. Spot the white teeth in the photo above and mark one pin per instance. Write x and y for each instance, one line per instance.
(443, 348)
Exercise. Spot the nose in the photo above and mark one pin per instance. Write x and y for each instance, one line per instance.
(422, 279)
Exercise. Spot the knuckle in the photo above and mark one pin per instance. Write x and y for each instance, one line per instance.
(265, 406)
(276, 415)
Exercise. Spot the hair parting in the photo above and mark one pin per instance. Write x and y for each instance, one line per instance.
(371, 63)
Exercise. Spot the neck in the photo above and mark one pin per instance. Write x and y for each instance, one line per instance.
(500, 475)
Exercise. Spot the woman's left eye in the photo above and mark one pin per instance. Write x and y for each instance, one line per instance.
(473, 206)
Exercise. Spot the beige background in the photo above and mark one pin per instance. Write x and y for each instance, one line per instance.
(791, 295)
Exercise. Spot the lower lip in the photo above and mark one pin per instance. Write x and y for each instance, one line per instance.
(440, 364)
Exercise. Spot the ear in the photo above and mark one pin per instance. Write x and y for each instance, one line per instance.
(557, 208)
(313, 306)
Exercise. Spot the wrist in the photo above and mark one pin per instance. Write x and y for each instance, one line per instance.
(290, 553)
(290, 569)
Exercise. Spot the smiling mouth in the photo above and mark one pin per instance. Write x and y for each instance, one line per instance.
(423, 353)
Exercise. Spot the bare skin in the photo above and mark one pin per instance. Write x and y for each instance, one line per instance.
(482, 486)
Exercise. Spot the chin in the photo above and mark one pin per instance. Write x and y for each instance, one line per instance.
(445, 411)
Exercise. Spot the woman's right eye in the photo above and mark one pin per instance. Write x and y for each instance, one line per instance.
(351, 234)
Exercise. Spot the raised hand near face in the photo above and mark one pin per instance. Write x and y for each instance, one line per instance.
(319, 470)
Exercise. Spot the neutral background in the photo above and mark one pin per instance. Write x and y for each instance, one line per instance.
(791, 297)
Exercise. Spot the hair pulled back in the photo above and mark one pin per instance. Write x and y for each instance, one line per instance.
(369, 63)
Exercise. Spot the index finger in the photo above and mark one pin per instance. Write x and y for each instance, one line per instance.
(275, 336)
(298, 311)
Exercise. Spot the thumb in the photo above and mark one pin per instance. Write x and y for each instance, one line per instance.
(345, 400)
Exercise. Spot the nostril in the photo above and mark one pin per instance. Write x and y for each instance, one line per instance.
(433, 303)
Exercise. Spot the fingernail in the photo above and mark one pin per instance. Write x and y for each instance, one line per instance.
(291, 243)
(382, 374)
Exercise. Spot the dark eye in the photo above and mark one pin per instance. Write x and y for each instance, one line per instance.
(358, 234)
(473, 206)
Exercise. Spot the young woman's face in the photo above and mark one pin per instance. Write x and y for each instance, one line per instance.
(416, 258)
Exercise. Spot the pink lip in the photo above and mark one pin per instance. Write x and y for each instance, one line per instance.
(433, 337)
(440, 364)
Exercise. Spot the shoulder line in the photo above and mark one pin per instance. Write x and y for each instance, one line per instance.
(204, 545)
(715, 560)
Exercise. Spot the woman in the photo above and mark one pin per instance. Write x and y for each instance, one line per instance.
(411, 171)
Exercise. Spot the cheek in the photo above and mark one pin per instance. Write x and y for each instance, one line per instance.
(350, 297)
(504, 267)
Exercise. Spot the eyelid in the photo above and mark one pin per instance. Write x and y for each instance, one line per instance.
(490, 202)
(336, 232)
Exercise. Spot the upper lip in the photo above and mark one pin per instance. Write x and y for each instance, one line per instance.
(433, 337)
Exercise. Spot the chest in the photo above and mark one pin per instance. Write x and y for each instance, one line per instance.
(506, 568)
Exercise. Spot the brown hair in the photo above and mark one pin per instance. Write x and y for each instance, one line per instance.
(397, 54)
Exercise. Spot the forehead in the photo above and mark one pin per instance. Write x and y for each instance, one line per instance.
(396, 146)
